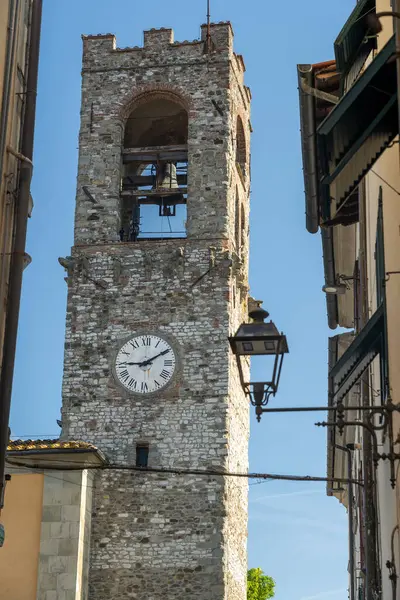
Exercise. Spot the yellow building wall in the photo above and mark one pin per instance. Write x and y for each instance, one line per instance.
(387, 26)
(21, 517)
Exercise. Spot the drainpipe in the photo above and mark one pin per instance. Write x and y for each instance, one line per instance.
(17, 258)
(348, 448)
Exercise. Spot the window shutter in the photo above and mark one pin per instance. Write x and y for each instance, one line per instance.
(380, 254)
(380, 294)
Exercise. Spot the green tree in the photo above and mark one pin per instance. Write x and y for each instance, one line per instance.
(259, 586)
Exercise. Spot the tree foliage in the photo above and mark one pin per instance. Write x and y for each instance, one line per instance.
(259, 586)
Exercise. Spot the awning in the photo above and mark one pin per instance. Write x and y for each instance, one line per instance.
(357, 131)
(353, 44)
(365, 347)
(319, 77)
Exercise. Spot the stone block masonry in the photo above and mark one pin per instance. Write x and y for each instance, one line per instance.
(159, 536)
(65, 535)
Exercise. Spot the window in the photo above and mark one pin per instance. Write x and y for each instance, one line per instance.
(155, 158)
(237, 223)
(142, 455)
(243, 226)
(241, 158)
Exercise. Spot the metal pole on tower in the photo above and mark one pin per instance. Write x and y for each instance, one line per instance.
(208, 27)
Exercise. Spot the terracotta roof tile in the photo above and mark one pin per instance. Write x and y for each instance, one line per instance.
(26, 445)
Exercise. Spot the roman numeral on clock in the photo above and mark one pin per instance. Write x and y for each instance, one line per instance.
(124, 374)
(134, 343)
(165, 374)
(146, 341)
(168, 363)
(144, 387)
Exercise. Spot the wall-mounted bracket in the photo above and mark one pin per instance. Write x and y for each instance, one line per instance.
(371, 412)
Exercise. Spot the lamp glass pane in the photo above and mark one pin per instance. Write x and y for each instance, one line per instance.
(262, 367)
(271, 346)
(247, 346)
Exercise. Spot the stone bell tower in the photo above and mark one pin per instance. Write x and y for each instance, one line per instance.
(157, 281)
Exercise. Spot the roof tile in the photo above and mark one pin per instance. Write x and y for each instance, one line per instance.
(26, 445)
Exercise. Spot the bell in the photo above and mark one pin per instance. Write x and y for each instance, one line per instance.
(169, 179)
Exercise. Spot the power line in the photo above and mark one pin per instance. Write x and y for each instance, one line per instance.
(63, 466)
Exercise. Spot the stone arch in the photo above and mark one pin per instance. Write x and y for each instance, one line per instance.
(144, 93)
(241, 153)
(156, 118)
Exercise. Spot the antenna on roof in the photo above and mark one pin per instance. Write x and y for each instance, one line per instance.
(208, 38)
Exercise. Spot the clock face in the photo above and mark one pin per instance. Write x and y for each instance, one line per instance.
(145, 364)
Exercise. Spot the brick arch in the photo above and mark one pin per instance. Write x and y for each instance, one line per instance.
(143, 94)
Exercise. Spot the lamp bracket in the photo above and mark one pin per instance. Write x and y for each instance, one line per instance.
(385, 412)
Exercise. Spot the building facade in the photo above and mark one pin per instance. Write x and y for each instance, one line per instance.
(349, 126)
(157, 281)
(14, 34)
(19, 54)
(46, 517)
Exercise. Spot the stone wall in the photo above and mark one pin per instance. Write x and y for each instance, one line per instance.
(160, 536)
(65, 535)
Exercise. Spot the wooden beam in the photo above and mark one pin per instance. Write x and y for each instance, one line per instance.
(132, 180)
(154, 153)
(177, 156)
(153, 193)
(155, 149)
(128, 201)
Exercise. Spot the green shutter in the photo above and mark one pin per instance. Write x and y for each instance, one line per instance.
(380, 254)
(380, 294)
(353, 44)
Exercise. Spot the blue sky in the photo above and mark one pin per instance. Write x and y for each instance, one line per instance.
(296, 534)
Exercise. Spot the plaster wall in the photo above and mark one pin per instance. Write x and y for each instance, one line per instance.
(21, 518)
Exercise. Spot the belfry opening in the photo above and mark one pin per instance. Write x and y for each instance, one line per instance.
(155, 169)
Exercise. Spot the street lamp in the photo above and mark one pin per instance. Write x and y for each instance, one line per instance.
(340, 286)
(259, 339)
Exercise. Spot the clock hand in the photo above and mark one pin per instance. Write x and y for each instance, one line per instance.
(129, 363)
(150, 360)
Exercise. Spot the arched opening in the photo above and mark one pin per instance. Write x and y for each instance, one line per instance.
(242, 226)
(237, 223)
(155, 158)
(241, 158)
(160, 121)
